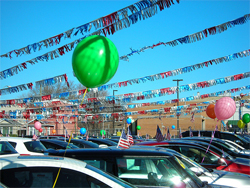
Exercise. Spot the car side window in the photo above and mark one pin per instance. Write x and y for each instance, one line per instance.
(78, 145)
(49, 145)
(197, 155)
(13, 144)
(45, 177)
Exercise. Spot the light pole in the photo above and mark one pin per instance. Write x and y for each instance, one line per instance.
(114, 111)
(178, 80)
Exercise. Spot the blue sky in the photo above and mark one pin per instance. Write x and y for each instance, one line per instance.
(27, 22)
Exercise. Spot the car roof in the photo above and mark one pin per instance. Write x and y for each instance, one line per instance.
(42, 161)
(201, 138)
(54, 141)
(15, 139)
(166, 142)
(111, 151)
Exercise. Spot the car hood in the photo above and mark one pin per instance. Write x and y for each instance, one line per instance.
(224, 178)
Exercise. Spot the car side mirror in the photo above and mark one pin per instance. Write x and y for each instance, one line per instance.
(196, 170)
(221, 162)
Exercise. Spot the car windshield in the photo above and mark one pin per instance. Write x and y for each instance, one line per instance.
(6, 148)
(35, 146)
(155, 171)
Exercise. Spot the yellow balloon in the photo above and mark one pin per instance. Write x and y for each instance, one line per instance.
(241, 124)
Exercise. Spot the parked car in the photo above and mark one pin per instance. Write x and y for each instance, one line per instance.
(7, 150)
(57, 144)
(41, 171)
(222, 135)
(143, 168)
(50, 137)
(237, 146)
(81, 143)
(204, 156)
(213, 177)
(25, 146)
(231, 150)
(102, 142)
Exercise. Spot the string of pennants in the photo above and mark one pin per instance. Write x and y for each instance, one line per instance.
(193, 37)
(174, 111)
(51, 107)
(68, 47)
(111, 23)
(154, 77)
(132, 96)
(49, 112)
(129, 97)
(41, 83)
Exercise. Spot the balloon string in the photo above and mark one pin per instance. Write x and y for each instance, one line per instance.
(63, 156)
(84, 95)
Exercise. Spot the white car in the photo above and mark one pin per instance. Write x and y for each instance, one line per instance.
(25, 146)
(42, 171)
(6, 150)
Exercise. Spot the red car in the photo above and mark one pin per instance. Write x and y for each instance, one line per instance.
(206, 158)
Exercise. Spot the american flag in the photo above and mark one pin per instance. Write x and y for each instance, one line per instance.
(180, 135)
(130, 138)
(87, 135)
(192, 118)
(138, 135)
(34, 136)
(123, 142)
(190, 132)
(168, 135)
(159, 136)
(147, 136)
(199, 134)
(165, 136)
(66, 132)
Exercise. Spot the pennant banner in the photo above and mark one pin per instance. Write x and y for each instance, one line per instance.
(52, 81)
(154, 77)
(193, 37)
(175, 72)
(15, 89)
(111, 23)
(109, 116)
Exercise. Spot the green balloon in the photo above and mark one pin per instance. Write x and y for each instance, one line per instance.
(95, 61)
(246, 118)
(138, 127)
(102, 131)
(241, 124)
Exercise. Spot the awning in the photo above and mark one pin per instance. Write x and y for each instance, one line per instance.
(232, 122)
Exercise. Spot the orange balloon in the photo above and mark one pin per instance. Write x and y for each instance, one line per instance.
(53, 131)
(210, 111)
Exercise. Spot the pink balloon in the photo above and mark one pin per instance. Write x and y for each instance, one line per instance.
(224, 108)
(37, 125)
